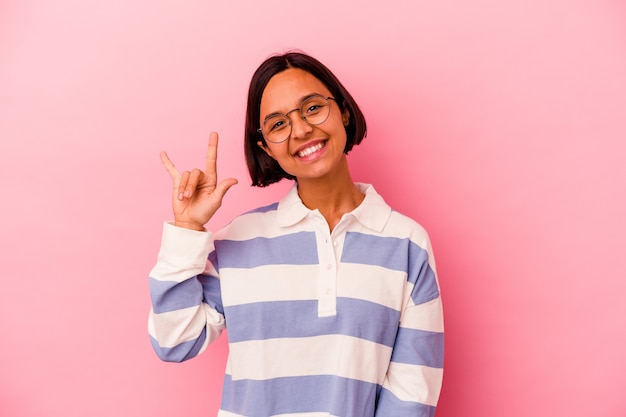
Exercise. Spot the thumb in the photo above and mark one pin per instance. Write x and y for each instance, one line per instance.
(224, 186)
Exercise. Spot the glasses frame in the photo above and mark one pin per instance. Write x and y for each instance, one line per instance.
(299, 110)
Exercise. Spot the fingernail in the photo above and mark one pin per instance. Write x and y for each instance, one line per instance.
(180, 196)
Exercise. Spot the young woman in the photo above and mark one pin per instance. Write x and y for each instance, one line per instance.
(329, 296)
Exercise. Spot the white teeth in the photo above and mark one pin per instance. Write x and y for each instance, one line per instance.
(309, 151)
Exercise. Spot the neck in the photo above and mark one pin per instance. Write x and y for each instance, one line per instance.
(332, 196)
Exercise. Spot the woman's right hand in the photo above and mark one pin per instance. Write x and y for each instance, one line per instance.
(197, 195)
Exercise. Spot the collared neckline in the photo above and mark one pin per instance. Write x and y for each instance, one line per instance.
(373, 212)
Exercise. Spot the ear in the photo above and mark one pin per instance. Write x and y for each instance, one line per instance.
(265, 148)
(345, 117)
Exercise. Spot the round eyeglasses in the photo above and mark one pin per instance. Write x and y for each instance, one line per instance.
(314, 110)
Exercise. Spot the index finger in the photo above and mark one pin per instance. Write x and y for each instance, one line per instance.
(211, 159)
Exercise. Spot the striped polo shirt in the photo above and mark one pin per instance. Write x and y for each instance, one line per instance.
(345, 324)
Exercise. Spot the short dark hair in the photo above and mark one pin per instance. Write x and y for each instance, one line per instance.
(263, 169)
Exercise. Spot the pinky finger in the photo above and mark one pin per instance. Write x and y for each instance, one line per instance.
(169, 166)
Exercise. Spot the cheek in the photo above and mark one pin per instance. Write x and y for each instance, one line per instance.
(341, 134)
(277, 151)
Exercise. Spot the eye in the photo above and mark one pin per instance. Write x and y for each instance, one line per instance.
(313, 107)
(275, 124)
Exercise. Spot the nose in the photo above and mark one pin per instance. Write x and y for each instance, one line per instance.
(299, 127)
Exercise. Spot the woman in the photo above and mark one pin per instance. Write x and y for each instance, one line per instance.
(330, 297)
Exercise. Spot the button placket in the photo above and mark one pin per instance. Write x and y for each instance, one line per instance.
(327, 281)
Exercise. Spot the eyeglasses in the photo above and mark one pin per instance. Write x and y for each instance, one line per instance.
(314, 110)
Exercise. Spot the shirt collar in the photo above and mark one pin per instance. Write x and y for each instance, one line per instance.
(373, 212)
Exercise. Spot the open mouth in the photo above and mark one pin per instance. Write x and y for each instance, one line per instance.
(310, 150)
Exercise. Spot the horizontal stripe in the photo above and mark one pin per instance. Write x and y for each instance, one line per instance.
(373, 284)
(170, 295)
(339, 355)
(418, 347)
(259, 222)
(269, 283)
(181, 352)
(305, 394)
(296, 249)
(425, 316)
(264, 209)
(183, 254)
(314, 414)
(414, 383)
(391, 406)
(387, 252)
(165, 272)
(211, 292)
(222, 413)
(179, 326)
(301, 282)
(292, 319)
(422, 276)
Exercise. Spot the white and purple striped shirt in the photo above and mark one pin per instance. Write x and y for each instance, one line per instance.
(345, 324)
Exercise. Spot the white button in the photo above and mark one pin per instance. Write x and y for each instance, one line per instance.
(335, 243)
(327, 291)
(329, 266)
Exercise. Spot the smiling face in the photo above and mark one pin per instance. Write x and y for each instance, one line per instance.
(311, 152)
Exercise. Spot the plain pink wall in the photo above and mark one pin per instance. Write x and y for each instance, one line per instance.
(500, 126)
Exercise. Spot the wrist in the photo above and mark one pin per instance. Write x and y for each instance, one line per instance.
(189, 225)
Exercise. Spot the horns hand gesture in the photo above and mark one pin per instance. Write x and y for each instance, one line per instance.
(196, 194)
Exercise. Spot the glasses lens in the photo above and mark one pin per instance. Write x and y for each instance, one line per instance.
(315, 110)
(277, 128)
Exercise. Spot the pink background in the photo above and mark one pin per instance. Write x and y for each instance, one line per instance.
(500, 126)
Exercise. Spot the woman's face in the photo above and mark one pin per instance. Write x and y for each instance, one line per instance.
(310, 151)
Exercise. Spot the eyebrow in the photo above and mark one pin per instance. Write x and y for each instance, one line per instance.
(302, 99)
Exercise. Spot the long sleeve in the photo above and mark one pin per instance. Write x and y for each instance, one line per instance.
(186, 313)
(414, 377)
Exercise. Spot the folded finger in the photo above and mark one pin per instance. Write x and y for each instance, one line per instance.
(195, 177)
(182, 185)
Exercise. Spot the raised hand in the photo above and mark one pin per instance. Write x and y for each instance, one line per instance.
(196, 194)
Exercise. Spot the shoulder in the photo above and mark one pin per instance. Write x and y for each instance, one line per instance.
(396, 224)
(403, 227)
(403, 224)
(250, 224)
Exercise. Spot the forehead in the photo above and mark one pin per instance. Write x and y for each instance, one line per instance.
(286, 90)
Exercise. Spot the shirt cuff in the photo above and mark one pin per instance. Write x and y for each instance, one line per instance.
(185, 246)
